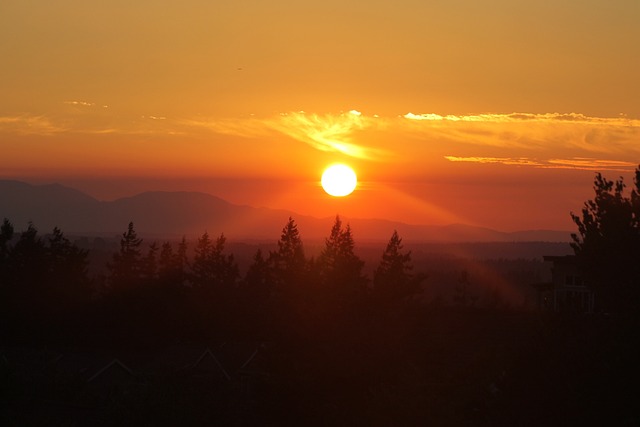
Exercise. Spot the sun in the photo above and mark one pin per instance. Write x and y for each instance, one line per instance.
(339, 180)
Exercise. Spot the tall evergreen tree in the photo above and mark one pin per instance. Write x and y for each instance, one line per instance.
(29, 287)
(212, 270)
(125, 270)
(43, 276)
(288, 262)
(393, 279)
(6, 234)
(181, 261)
(165, 262)
(28, 260)
(607, 244)
(68, 269)
(339, 267)
(149, 270)
(635, 201)
(258, 282)
(172, 268)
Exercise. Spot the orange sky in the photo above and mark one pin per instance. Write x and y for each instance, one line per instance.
(487, 113)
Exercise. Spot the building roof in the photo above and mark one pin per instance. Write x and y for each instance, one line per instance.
(114, 364)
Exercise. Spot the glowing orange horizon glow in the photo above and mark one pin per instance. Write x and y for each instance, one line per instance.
(184, 97)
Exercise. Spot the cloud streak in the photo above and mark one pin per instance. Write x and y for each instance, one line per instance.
(332, 133)
(524, 117)
(328, 133)
(26, 124)
(84, 104)
(500, 160)
(554, 140)
(531, 131)
(551, 140)
(30, 125)
(590, 164)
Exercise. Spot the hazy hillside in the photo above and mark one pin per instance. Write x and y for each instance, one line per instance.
(191, 213)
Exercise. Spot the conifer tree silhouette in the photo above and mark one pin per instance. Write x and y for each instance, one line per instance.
(393, 279)
(25, 281)
(212, 270)
(258, 281)
(172, 268)
(288, 262)
(6, 234)
(43, 276)
(166, 260)
(125, 268)
(149, 270)
(28, 260)
(339, 267)
(68, 269)
(607, 244)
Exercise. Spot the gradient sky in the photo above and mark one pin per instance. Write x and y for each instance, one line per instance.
(493, 113)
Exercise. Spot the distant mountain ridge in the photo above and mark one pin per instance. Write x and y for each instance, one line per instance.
(191, 213)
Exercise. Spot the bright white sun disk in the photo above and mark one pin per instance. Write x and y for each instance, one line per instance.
(339, 180)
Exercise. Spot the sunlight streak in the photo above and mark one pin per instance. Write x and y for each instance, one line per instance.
(430, 212)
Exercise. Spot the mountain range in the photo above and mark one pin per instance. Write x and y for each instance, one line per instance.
(192, 213)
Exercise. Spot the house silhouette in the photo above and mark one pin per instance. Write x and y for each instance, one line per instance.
(567, 292)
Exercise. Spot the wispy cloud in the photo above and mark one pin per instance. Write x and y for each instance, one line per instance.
(549, 140)
(591, 164)
(570, 163)
(329, 132)
(524, 117)
(524, 139)
(80, 103)
(501, 160)
(101, 124)
(30, 125)
(553, 140)
(84, 104)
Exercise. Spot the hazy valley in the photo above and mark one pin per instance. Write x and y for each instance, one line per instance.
(174, 214)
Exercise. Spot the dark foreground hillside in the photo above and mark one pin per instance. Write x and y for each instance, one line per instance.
(431, 366)
(173, 337)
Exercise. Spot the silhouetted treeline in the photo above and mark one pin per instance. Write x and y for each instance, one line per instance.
(152, 292)
(40, 277)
